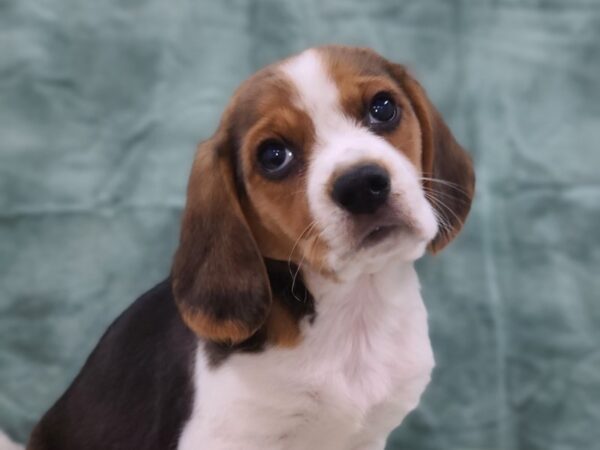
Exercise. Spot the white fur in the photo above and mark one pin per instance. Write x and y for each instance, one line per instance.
(360, 368)
(7, 444)
(364, 362)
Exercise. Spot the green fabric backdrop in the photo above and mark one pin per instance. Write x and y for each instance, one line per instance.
(102, 103)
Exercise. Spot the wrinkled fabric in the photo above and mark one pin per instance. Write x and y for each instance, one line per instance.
(103, 102)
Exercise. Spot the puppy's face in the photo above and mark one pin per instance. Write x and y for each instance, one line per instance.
(331, 156)
(334, 160)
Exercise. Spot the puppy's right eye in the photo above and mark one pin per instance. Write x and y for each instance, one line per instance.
(384, 113)
(275, 158)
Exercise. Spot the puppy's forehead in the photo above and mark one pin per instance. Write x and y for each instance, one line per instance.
(318, 75)
(320, 82)
(316, 90)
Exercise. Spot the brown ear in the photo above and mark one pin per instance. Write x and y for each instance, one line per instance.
(448, 176)
(219, 278)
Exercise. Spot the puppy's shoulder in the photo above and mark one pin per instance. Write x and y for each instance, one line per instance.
(138, 376)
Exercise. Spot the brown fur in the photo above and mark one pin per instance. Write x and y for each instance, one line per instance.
(270, 215)
(282, 328)
(219, 278)
(277, 210)
(445, 162)
(205, 325)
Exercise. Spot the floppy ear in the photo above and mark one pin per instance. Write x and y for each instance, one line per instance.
(448, 176)
(220, 282)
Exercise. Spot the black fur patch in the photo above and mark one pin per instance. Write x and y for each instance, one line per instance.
(135, 390)
(299, 303)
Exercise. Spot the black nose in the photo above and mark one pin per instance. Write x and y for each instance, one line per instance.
(362, 190)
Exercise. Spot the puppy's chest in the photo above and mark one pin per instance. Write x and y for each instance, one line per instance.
(366, 361)
(360, 366)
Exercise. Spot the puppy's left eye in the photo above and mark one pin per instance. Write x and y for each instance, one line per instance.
(275, 158)
(383, 112)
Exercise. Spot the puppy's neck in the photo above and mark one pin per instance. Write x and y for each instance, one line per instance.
(394, 283)
(367, 305)
(370, 330)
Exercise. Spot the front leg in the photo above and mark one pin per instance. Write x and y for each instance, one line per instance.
(386, 417)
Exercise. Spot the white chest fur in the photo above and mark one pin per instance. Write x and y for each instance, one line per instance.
(361, 367)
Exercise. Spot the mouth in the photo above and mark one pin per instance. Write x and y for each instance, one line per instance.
(378, 234)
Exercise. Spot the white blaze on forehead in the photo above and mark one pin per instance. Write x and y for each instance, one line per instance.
(317, 93)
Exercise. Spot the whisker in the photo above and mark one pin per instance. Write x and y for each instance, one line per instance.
(322, 261)
(294, 277)
(441, 218)
(308, 252)
(289, 261)
(310, 249)
(444, 194)
(458, 189)
(307, 229)
(450, 184)
(439, 202)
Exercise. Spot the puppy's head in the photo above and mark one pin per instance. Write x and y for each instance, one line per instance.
(334, 160)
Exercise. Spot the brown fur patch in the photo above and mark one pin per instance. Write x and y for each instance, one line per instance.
(220, 283)
(233, 211)
(282, 329)
(277, 210)
(448, 170)
(227, 331)
(360, 74)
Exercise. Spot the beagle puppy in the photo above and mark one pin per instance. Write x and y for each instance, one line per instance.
(292, 318)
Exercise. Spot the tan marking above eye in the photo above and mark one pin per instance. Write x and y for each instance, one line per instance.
(285, 124)
(370, 86)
